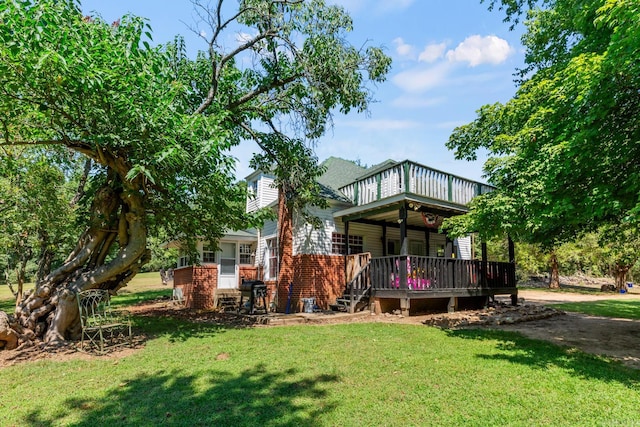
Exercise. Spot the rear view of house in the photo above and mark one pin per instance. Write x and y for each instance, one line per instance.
(378, 244)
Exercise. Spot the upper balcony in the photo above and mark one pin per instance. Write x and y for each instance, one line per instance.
(409, 178)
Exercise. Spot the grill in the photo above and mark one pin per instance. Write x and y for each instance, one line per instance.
(254, 290)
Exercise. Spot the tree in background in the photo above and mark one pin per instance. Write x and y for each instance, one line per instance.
(157, 125)
(563, 152)
(37, 213)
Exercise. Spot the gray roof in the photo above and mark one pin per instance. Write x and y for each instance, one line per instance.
(340, 172)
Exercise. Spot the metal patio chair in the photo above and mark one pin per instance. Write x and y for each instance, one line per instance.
(102, 328)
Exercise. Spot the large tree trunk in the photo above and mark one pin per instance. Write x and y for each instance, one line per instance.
(620, 274)
(108, 255)
(554, 279)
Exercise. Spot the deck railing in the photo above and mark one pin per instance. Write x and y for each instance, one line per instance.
(410, 177)
(419, 273)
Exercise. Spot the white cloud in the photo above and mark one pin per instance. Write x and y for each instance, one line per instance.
(402, 48)
(478, 50)
(432, 52)
(411, 101)
(420, 80)
(381, 124)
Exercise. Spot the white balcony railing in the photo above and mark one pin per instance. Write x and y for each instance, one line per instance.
(412, 178)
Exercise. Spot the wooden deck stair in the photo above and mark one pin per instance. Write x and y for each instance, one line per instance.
(358, 289)
(360, 300)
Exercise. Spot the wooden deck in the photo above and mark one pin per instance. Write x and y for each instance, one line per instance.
(407, 278)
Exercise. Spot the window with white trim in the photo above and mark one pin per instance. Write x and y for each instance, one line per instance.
(245, 253)
(183, 261)
(208, 255)
(339, 244)
(272, 258)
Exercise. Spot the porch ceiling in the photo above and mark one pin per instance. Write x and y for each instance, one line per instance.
(387, 210)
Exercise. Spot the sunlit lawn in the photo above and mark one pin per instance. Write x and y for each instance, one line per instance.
(144, 286)
(363, 374)
(629, 309)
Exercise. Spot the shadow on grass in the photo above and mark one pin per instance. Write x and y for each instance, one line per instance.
(255, 396)
(515, 348)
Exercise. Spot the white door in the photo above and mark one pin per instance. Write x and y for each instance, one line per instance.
(228, 267)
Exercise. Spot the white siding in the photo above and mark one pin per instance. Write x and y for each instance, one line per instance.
(308, 240)
(464, 247)
(265, 192)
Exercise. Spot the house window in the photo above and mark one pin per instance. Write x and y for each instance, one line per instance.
(416, 247)
(393, 247)
(183, 261)
(338, 244)
(272, 258)
(252, 188)
(245, 253)
(440, 250)
(208, 255)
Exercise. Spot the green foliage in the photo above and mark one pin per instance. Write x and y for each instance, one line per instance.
(157, 124)
(36, 215)
(564, 150)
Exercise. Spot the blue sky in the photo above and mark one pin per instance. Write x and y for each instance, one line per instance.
(450, 57)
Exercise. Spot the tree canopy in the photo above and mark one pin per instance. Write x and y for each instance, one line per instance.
(157, 124)
(563, 153)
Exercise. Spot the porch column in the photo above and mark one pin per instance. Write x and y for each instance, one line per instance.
(448, 256)
(346, 237)
(484, 265)
(402, 216)
(384, 240)
(448, 249)
(512, 270)
(403, 248)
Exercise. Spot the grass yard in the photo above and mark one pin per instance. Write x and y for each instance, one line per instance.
(347, 375)
(144, 286)
(608, 308)
(330, 375)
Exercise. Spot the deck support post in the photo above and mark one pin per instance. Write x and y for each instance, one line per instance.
(485, 264)
(405, 305)
(453, 304)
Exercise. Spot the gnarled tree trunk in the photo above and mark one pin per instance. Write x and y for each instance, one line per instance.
(107, 256)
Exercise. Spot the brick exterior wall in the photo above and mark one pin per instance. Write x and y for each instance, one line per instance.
(318, 276)
(247, 272)
(198, 285)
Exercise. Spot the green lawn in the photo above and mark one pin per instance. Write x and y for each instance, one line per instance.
(608, 308)
(332, 375)
(143, 287)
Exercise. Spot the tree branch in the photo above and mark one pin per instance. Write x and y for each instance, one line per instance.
(82, 183)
